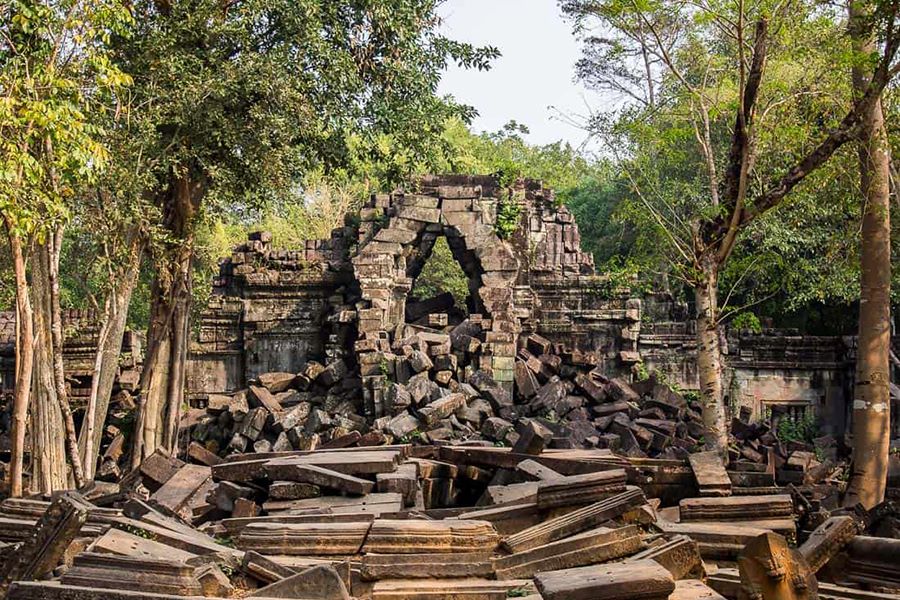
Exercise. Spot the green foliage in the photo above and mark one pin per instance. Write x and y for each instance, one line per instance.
(509, 213)
(56, 82)
(641, 372)
(385, 369)
(506, 153)
(225, 540)
(249, 97)
(140, 532)
(746, 321)
(596, 202)
(673, 127)
(441, 273)
(803, 429)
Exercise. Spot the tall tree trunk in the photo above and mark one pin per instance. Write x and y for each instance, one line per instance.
(49, 472)
(162, 380)
(106, 361)
(709, 358)
(871, 394)
(180, 322)
(24, 361)
(53, 249)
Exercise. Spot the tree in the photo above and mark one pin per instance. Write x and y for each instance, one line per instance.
(871, 397)
(54, 74)
(712, 80)
(237, 101)
(111, 227)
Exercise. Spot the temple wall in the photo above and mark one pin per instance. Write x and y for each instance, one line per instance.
(273, 310)
(269, 311)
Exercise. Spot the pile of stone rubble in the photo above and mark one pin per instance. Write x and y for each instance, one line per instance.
(435, 395)
(412, 522)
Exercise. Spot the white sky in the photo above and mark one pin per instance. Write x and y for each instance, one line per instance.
(534, 79)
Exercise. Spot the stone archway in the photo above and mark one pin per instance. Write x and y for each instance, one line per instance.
(398, 230)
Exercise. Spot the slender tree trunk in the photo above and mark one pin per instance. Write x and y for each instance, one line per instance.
(871, 394)
(106, 361)
(709, 358)
(51, 253)
(88, 426)
(162, 380)
(49, 472)
(24, 362)
(175, 394)
(162, 384)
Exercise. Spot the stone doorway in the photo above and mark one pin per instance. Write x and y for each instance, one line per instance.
(397, 234)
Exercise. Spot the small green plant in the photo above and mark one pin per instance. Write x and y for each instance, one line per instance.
(691, 396)
(508, 213)
(228, 571)
(385, 369)
(802, 429)
(641, 372)
(517, 593)
(550, 415)
(140, 532)
(748, 321)
(412, 436)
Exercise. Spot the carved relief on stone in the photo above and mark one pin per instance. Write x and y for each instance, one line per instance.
(771, 570)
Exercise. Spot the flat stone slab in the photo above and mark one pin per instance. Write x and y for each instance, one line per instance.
(709, 470)
(693, 589)
(426, 565)
(116, 541)
(716, 540)
(595, 546)
(574, 522)
(321, 582)
(737, 508)
(303, 472)
(680, 555)
(580, 489)
(638, 580)
(110, 571)
(305, 539)
(413, 536)
(175, 494)
(446, 589)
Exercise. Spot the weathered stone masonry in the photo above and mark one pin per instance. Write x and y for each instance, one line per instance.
(345, 297)
(275, 309)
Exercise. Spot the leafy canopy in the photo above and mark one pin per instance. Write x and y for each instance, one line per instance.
(56, 76)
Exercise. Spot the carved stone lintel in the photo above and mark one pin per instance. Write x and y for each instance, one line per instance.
(770, 570)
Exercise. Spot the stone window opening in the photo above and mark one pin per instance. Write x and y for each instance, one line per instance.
(438, 275)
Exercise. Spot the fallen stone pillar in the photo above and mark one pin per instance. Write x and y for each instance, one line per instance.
(827, 540)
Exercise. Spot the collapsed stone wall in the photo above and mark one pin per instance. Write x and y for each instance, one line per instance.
(272, 310)
(348, 297)
(81, 331)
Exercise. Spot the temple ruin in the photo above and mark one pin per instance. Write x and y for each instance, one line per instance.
(346, 297)
(347, 439)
